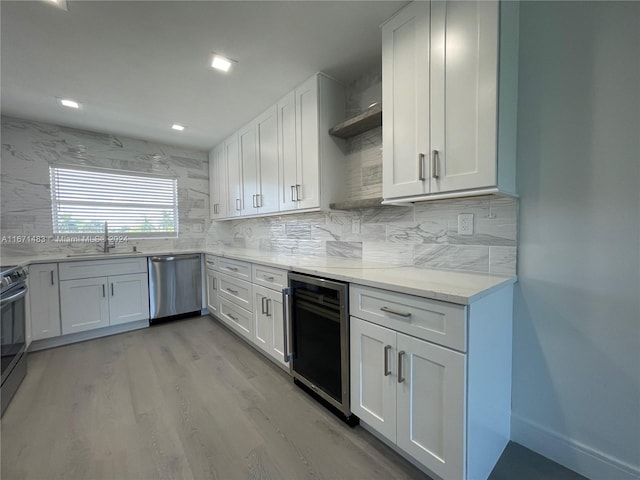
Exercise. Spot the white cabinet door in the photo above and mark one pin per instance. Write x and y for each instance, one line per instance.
(269, 322)
(249, 168)
(129, 298)
(373, 376)
(405, 99)
(44, 300)
(464, 86)
(268, 159)
(84, 304)
(234, 176)
(218, 183)
(308, 166)
(212, 291)
(286, 110)
(431, 405)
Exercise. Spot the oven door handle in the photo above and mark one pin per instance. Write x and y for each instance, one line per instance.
(14, 297)
(287, 302)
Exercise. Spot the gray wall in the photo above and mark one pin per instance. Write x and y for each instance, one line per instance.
(576, 372)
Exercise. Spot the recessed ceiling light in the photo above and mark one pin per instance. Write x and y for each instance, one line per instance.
(221, 63)
(69, 103)
(58, 3)
(175, 126)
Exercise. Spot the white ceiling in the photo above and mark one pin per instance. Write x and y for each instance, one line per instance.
(138, 67)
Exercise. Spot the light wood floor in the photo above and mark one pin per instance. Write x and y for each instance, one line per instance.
(183, 400)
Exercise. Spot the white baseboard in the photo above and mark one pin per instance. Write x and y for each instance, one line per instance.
(574, 455)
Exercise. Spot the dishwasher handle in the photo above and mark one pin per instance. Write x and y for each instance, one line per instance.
(174, 257)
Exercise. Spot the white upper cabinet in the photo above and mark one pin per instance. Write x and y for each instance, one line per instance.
(405, 98)
(218, 182)
(234, 176)
(285, 159)
(449, 99)
(286, 111)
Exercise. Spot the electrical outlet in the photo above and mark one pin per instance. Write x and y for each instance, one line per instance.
(355, 225)
(465, 224)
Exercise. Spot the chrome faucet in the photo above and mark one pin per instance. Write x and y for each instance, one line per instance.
(107, 245)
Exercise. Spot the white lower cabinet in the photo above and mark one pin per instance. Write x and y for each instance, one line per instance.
(44, 300)
(213, 281)
(84, 304)
(269, 322)
(447, 409)
(129, 300)
(237, 318)
(411, 392)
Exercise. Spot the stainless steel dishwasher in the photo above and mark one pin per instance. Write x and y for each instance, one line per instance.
(175, 285)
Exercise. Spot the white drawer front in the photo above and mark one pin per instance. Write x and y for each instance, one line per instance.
(237, 318)
(237, 291)
(438, 322)
(102, 268)
(273, 278)
(211, 262)
(237, 268)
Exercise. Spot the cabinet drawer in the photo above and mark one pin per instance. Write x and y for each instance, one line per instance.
(438, 322)
(237, 268)
(211, 262)
(273, 278)
(237, 291)
(102, 268)
(237, 318)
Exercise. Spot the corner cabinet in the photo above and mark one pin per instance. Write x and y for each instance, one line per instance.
(432, 378)
(285, 160)
(449, 83)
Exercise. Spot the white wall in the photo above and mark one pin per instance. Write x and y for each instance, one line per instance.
(576, 372)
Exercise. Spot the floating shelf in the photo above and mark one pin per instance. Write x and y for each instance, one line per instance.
(368, 120)
(356, 204)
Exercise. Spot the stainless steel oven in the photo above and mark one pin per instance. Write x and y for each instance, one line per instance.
(317, 339)
(13, 291)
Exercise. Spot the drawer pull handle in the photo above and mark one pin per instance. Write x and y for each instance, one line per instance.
(264, 308)
(269, 279)
(400, 314)
(230, 290)
(387, 372)
(52, 281)
(400, 377)
(232, 317)
(233, 269)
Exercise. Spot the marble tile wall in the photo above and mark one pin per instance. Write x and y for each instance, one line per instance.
(424, 235)
(28, 148)
(364, 152)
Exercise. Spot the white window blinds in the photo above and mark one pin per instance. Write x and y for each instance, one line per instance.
(134, 204)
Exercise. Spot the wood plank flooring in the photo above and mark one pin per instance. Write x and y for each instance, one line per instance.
(181, 400)
(190, 400)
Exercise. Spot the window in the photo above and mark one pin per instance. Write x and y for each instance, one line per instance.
(134, 204)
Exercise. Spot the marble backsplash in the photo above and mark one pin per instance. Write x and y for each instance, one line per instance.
(424, 235)
(29, 148)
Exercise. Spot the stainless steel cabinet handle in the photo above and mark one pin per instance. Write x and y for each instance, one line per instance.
(259, 200)
(52, 282)
(215, 208)
(268, 279)
(213, 281)
(232, 317)
(400, 314)
(298, 193)
(387, 372)
(400, 355)
(421, 176)
(293, 193)
(112, 289)
(233, 269)
(435, 166)
(103, 291)
(253, 201)
(238, 205)
(235, 292)
(264, 308)
(268, 307)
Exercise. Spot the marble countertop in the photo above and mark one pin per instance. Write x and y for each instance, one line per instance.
(449, 286)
